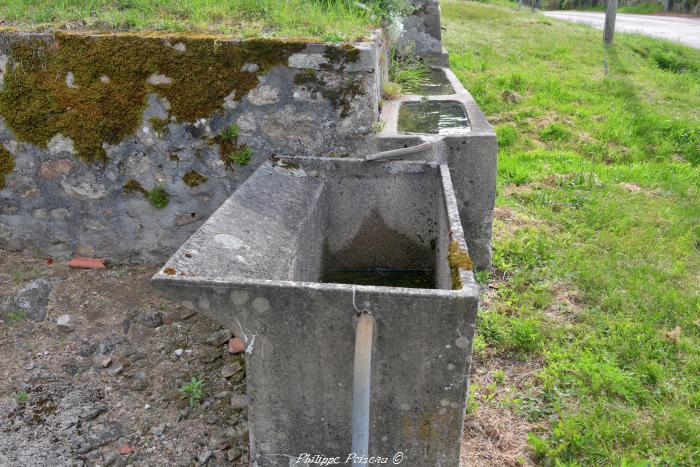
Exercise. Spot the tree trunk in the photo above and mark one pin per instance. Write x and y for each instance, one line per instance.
(668, 5)
(610, 14)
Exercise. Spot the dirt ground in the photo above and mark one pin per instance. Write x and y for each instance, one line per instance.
(104, 389)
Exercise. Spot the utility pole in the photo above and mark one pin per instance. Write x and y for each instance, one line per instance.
(610, 14)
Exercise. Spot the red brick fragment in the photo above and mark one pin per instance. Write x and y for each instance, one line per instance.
(236, 345)
(125, 450)
(81, 262)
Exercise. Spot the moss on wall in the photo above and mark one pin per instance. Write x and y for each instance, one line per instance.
(457, 259)
(7, 165)
(110, 75)
(193, 179)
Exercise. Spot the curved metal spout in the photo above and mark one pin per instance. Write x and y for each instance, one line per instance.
(398, 153)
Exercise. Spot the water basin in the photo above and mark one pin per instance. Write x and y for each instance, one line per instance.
(436, 84)
(432, 118)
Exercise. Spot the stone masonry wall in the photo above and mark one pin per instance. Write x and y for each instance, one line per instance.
(126, 159)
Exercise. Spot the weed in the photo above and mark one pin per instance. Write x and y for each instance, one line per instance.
(193, 391)
(392, 91)
(22, 396)
(230, 133)
(407, 73)
(158, 197)
(16, 315)
(241, 156)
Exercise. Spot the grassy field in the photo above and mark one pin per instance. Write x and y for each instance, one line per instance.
(590, 337)
(332, 20)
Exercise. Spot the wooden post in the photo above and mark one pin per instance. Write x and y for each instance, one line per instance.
(610, 14)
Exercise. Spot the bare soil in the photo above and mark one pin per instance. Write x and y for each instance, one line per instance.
(105, 389)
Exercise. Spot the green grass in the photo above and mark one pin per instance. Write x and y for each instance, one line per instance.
(600, 176)
(316, 19)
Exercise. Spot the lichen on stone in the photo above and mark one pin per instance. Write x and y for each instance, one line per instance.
(7, 165)
(160, 125)
(458, 259)
(132, 186)
(193, 179)
(110, 77)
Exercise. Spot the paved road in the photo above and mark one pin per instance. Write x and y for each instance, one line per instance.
(683, 30)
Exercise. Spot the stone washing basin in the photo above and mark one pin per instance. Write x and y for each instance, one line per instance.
(260, 266)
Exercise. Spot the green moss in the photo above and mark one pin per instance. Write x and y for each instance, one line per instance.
(193, 179)
(7, 165)
(158, 197)
(306, 77)
(132, 186)
(457, 259)
(241, 156)
(339, 57)
(340, 96)
(159, 124)
(110, 82)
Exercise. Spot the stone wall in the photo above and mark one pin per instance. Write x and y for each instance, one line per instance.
(120, 145)
(421, 32)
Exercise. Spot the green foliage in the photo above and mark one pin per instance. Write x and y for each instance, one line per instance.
(241, 156)
(158, 197)
(554, 132)
(335, 20)
(16, 315)
(599, 257)
(506, 136)
(193, 391)
(22, 396)
(230, 133)
(408, 72)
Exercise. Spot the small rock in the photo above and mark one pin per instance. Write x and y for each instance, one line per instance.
(31, 300)
(204, 456)
(102, 361)
(87, 348)
(236, 345)
(50, 170)
(117, 369)
(109, 458)
(219, 337)
(239, 401)
(231, 369)
(147, 406)
(179, 352)
(158, 430)
(152, 319)
(233, 454)
(222, 394)
(63, 321)
(218, 440)
(140, 382)
(98, 437)
(125, 450)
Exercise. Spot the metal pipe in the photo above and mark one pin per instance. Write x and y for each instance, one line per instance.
(361, 387)
(397, 153)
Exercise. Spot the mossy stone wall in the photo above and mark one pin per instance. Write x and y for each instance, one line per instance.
(82, 116)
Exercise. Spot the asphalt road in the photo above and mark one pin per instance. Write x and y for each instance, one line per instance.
(683, 30)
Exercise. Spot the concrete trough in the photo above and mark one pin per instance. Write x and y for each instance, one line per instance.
(470, 153)
(257, 267)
